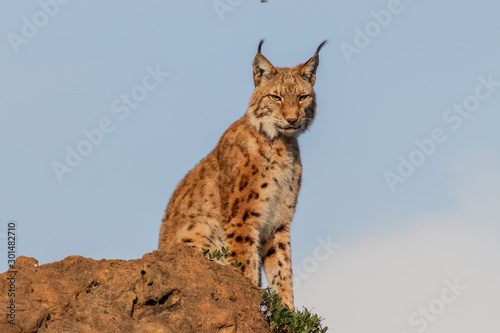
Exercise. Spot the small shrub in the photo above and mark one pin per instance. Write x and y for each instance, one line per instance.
(217, 255)
(282, 319)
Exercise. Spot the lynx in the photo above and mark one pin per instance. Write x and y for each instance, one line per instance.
(243, 194)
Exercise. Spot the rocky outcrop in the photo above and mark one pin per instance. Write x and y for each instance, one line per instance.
(177, 291)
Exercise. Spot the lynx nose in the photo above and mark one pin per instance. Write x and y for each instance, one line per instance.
(291, 120)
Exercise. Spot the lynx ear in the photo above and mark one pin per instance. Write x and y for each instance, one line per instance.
(262, 68)
(308, 70)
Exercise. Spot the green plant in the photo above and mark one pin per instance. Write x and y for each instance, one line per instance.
(282, 319)
(217, 255)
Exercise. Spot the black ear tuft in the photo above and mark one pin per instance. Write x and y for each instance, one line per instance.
(321, 46)
(260, 45)
(263, 70)
(308, 70)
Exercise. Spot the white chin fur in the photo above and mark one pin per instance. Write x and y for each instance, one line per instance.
(292, 132)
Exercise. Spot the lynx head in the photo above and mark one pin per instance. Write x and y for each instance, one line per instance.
(283, 102)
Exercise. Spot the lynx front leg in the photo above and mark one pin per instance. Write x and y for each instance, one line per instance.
(243, 247)
(278, 264)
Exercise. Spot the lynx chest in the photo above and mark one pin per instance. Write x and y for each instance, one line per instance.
(260, 184)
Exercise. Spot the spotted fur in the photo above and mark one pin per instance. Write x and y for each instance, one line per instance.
(243, 194)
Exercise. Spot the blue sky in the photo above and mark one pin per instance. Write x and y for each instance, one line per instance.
(407, 90)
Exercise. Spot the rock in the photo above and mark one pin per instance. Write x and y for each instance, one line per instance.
(177, 291)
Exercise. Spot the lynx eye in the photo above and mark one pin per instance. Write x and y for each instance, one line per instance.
(275, 98)
(303, 98)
